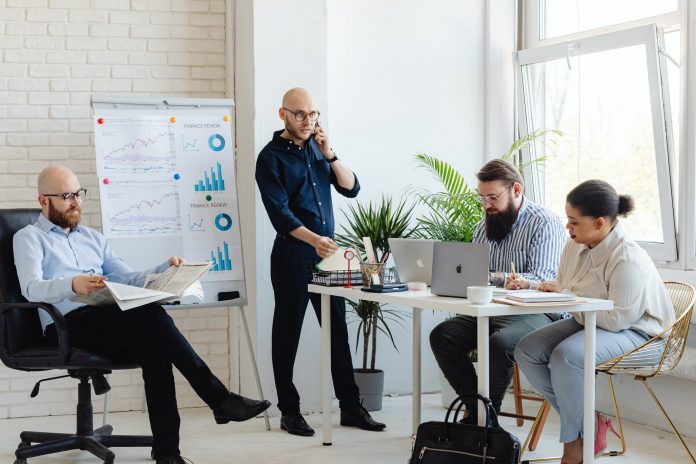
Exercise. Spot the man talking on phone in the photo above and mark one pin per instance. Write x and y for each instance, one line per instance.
(295, 172)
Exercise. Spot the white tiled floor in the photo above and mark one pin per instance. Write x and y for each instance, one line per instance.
(205, 442)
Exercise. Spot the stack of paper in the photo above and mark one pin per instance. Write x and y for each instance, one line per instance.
(539, 297)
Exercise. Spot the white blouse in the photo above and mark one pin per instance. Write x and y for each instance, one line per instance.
(617, 269)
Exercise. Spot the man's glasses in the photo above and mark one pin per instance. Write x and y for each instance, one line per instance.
(68, 197)
(301, 115)
(492, 198)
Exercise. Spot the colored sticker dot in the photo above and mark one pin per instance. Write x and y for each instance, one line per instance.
(177, 176)
(208, 197)
(226, 117)
(172, 119)
(100, 120)
(106, 181)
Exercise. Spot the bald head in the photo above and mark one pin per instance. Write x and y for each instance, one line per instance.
(297, 97)
(57, 179)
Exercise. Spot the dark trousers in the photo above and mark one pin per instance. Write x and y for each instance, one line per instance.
(148, 337)
(453, 339)
(291, 264)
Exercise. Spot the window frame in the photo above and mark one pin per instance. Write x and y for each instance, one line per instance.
(585, 43)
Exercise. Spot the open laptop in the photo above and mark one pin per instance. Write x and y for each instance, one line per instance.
(459, 265)
(413, 258)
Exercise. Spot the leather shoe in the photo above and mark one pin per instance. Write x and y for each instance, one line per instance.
(359, 417)
(238, 409)
(296, 425)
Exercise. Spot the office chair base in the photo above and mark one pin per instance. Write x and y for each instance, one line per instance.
(97, 444)
(96, 441)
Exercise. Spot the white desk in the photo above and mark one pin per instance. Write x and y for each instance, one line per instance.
(425, 300)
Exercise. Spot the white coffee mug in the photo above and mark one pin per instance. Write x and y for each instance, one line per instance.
(479, 294)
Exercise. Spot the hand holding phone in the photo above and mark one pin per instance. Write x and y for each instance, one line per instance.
(322, 140)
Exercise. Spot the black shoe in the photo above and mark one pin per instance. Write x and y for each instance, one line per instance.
(296, 425)
(238, 409)
(359, 417)
(172, 460)
(470, 419)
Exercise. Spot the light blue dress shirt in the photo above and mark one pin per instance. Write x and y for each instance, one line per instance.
(534, 243)
(47, 259)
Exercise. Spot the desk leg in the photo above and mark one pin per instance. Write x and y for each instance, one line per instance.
(482, 348)
(326, 368)
(589, 387)
(416, 418)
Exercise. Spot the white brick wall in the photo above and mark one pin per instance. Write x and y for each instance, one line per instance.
(54, 54)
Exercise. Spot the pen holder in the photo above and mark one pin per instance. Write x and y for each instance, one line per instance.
(372, 274)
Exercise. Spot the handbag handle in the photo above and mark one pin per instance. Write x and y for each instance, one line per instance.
(491, 416)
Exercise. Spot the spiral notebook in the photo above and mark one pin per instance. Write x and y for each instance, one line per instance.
(540, 297)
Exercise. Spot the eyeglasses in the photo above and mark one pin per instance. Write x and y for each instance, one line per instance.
(492, 198)
(301, 115)
(68, 197)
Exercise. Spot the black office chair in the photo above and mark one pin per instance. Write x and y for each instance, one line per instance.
(23, 347)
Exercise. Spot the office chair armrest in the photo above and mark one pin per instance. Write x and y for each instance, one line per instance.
(57, 317)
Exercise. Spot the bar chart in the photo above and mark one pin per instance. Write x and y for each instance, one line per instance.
(221, 260)
(213, 182)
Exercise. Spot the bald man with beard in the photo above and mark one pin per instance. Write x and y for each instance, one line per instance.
(57, 258)
(295, 172)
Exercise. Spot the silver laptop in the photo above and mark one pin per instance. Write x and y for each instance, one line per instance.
(459, 265)
(413, 258)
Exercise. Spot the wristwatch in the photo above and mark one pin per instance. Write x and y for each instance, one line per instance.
(335, 158)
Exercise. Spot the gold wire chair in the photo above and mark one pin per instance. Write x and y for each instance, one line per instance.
(656, 356)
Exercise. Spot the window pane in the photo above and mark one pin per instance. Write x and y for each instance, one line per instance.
(602, 105)
(562, 17)
(672, 48)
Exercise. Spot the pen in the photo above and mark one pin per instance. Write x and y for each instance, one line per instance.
(513, 275)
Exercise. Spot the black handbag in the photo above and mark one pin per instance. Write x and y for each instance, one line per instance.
(454, 443)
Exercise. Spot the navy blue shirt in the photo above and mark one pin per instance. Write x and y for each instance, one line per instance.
(295, 185)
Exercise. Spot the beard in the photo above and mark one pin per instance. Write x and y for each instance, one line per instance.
(296, 132)
(66, 219)
(499, 225)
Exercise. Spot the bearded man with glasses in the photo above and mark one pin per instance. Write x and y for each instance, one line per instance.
(57, 258)
(519, 231)
(295, 172)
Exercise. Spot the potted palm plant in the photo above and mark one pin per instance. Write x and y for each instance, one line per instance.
(379, 221)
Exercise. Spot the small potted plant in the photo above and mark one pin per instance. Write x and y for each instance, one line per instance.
(379, 221)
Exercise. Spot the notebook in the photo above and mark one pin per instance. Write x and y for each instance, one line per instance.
(539, 297)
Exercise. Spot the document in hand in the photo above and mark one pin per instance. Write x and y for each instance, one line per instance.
(539, 297)
(338, 262)
(174, 283)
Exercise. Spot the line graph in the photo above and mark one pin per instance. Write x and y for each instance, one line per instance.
(134, 147)
(196, 226)
(156, 213)
(188, 145)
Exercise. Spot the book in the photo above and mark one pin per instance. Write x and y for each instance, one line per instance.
(175, 283)
(539, 297)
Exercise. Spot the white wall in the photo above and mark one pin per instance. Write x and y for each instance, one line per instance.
(405, 76)
(391, 80)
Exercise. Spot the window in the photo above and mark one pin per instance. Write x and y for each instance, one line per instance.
(614, 95)
(565, 17)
